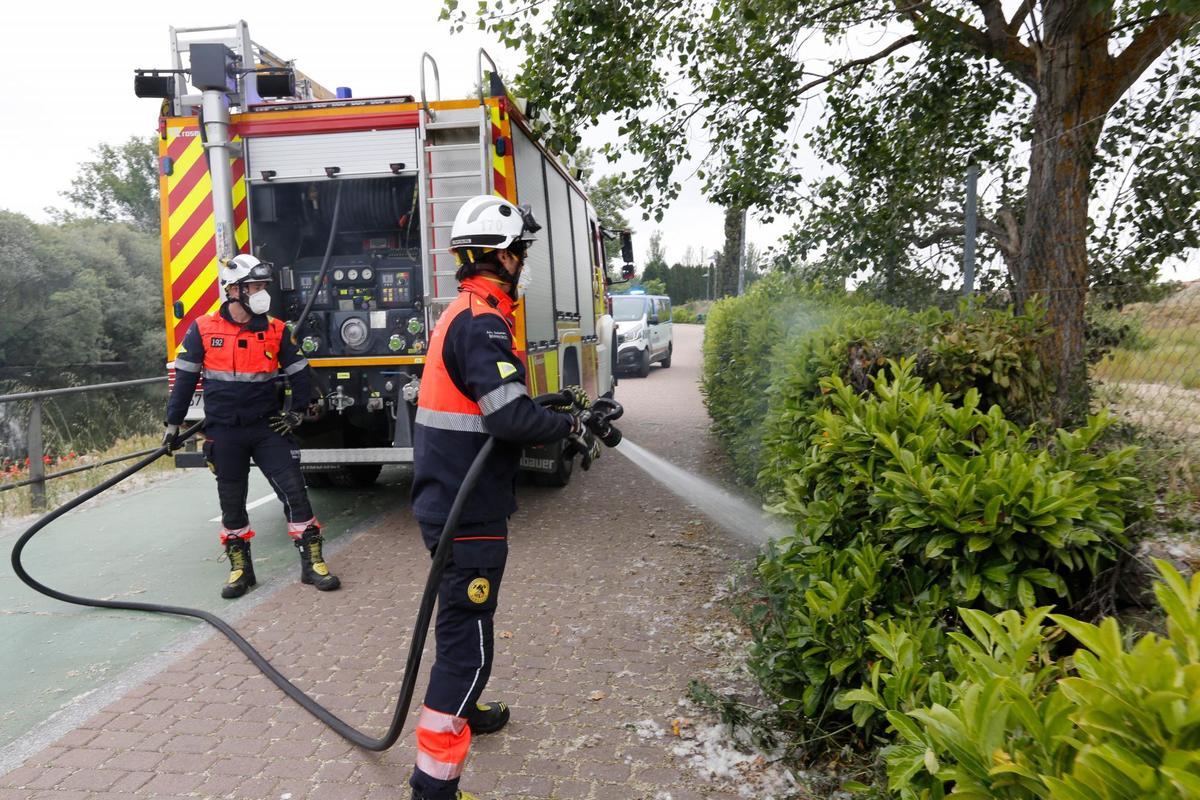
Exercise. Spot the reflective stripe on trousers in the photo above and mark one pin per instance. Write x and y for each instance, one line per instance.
(443, 741)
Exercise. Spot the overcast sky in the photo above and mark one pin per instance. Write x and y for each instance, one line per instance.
(68, 70)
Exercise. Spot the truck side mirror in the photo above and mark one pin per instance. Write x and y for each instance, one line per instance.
(628, 271)
(626, 248)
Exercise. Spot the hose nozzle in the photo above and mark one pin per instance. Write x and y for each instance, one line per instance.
(599, 420)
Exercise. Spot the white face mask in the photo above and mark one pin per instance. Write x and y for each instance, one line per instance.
(524, 280)
(259, 302)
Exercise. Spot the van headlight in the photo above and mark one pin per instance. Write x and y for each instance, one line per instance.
(631, 336)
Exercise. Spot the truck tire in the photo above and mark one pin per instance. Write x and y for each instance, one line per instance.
(644, 367)
(666, 362)
(355, 476)
(316, 480)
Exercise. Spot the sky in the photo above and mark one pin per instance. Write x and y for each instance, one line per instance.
(74, 63)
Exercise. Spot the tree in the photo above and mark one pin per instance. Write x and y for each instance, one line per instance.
(79, 294)
(950, 79)
(726, 280)
(121, 185)
(607, 195)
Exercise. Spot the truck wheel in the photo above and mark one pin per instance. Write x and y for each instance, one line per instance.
(561, 475)
(666, 362)
(644, 367)
(355, 476)
(316, 480)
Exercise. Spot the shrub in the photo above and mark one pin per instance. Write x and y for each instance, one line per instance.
(740, 342)
(1112, 721)
(683, 314)
(906, 506)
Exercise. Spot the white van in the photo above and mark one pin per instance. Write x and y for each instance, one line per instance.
(643, 331)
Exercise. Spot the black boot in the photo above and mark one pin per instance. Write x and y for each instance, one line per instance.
(241, 568)
(313, 568)
(487, 717)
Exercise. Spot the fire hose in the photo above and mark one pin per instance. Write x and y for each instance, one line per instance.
(597, 419)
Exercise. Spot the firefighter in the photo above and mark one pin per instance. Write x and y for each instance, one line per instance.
(473, 387)
(240, 352)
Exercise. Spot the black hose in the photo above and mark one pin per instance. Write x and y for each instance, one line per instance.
(316, 288)
(420, 629)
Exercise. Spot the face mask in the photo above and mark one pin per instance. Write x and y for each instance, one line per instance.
(259, 302)
(524, 281)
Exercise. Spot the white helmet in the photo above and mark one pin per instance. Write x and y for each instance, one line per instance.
(491, 222)
(243, 268)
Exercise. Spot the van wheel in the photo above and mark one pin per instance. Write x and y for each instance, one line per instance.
(644, 367)
(666, 362)
(355, 476)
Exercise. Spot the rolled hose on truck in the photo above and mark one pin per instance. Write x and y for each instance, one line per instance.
(599, 421)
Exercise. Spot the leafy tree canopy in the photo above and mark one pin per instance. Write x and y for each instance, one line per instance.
(1038, 92)
(121, 185)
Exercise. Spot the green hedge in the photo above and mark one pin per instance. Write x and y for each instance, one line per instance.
(906, 450)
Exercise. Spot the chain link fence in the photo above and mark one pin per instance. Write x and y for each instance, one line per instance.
(1148, 364)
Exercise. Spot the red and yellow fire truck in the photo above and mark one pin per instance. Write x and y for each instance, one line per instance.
(351, 200)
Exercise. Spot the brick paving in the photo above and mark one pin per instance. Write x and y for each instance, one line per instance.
(606, 591)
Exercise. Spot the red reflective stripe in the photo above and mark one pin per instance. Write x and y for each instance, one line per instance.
(198, 311)
(443, 742)
(244, 534)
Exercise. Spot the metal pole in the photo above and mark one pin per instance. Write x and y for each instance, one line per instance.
(37, 468)
(742, 257)
(969, 243)
(217, 145)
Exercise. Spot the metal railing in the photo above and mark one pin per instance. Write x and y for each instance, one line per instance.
(35, 450)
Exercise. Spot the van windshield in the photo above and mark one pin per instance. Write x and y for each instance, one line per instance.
(627, 309)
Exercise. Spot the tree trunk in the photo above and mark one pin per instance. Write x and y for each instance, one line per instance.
(1072, 97)
(727, 267)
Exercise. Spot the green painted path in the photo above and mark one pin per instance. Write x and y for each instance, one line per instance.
(156, 544)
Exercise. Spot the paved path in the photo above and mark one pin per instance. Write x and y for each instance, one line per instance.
(606, 595)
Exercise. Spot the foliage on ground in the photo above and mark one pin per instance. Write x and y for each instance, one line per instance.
(1114, 719)
(908, 506)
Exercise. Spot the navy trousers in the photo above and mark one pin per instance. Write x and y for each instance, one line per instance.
(467, 598)
(229, 451)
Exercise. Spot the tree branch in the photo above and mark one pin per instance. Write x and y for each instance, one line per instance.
(1004, 235)
(995, 42)
(861, 62)
(942, 234)
(1014, 24)
(1146, 46)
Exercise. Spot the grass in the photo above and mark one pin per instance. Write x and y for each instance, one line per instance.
(15, 503)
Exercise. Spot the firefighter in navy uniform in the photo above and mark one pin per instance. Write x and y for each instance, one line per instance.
(473, 387)
(240, 352)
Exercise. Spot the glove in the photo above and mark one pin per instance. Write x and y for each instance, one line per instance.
(170, 439)
(285, 422)
(581, 441)
(574, 399)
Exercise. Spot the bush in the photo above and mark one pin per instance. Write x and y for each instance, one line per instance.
(741, 338)
(907, 506)
(683, 314)
(1112, 721)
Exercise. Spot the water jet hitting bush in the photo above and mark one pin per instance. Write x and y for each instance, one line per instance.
(905, 450)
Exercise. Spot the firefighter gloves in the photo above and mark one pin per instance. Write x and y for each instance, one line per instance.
(285, 422)
(170, 439)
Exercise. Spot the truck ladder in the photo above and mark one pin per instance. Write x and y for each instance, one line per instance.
(454, 168)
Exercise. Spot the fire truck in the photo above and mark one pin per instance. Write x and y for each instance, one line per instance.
(352, 200)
